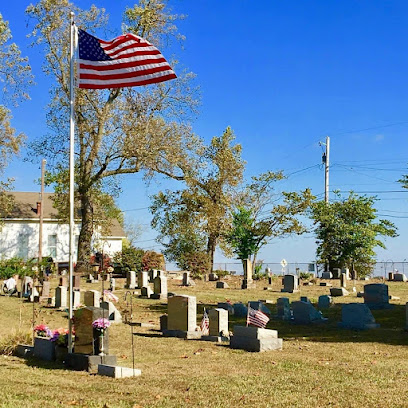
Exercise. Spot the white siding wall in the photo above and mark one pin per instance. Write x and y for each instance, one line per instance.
(14, 233)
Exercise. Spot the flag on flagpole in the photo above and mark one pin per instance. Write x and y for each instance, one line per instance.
(257, 318)
(205, 324)
(128, 60)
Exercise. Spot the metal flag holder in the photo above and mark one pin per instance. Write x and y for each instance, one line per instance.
(129, 305)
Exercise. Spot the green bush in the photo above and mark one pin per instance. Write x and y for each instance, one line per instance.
(197, 263)
(130, 259)
(153, 260)
(220, 273)
(305, 275)
(16, 266)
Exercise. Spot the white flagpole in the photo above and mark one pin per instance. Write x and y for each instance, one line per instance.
(71, 180)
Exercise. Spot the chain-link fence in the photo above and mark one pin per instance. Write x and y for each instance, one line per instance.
(380, 268)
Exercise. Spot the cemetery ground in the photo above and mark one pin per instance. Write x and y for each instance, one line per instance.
(319, 366)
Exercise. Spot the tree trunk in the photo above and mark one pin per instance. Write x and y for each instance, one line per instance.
(211, 244)
(86, 232)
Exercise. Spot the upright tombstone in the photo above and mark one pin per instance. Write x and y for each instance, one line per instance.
(131, 280)
(61, 297)
(399, 277)
(112, 313)
(142, 279)
(112, 284)
(92, 298)
(76, 298)
(247, 282)
(238, 309)
(221, 285)
(186, 279)
(338, 292)
(152, 274)
(77, 281)
(255, 339)
(259, 305)
(336, 273)
(160, 287)
(305, 313)
(324, 302)
(86, 337)
(343, 280)
(212, 277)
(63, 281)
(357, 316)
(376, 296)
(146, 292)
(347, 272)
(290, 284)
(327, 275)
(227, 306)
(390, 276)
(182, 313)
(46, 286)
(283, 308)
(218, 322)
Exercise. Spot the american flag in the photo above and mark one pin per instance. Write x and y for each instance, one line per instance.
(205, 324)
(257, 318)
(125, 61)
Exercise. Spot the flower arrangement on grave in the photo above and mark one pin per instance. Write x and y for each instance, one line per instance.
(60, 337)
(101, 324)
(42, 331)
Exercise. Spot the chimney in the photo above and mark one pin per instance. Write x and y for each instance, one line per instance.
(38, 208)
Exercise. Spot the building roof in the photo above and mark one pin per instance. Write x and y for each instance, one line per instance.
(25, 207)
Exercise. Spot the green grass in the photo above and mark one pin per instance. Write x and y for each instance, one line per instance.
(319, 366)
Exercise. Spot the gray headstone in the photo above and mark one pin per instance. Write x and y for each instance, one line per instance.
(76, 298)
(327, 275)
(92, 298)
(131, 280)
(46, 289)
(283, 308)
(305, 313)
(255, 339)
(221, 285)
(290, 284)
(61, 297)
(357, 316)
(212, 277)
(226, 306)
(338, 292)
(218, 322)
(146, 292)
(343, 280)
(390, 276)
(400, 277)
(336, 273)
(324, 301)
(113, 314)
(142, 279)
(258, 305)
(186, 278)
(182, 313)
(376, 296)
(238, 309)
(160, 287)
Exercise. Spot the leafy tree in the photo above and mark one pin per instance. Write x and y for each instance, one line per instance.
(15, 75)
(130, 258)
(255, 220)
(347, 232)
(118, 131)
(192, 221)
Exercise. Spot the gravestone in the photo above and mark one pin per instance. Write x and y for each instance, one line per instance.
(283, 308)
(112, 285)
(335, 292)
(336, 273)
(390, 276)
(238, 309)
(161, 273)
(142, 279)
(255, 339)
(347, 272)
(77, 281)
(90, 278)
(186, 279)
(343, 280)
(357, 316)
(92, 298)
(212, 277)
(227, 306)
(152, 274)
(221, 285)
(146, 292)
(182, 313)
(290, 284)
(63, 281)
(218, 322)
(45, 293)
(305, 313)
(113, 314)
(131, 280)
(61, 297)
(399, 277)
(160, 287)
(327, 275)
(304, 299)
(76, 298)
(324, 302)
(85, 335)
(247, 282)
(258, 305)
(376, 296)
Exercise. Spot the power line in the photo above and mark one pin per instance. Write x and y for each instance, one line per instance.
(370, 128)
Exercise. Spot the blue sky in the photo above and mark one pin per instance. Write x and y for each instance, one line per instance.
(283, 75)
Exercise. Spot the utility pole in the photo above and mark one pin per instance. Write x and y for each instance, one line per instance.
(43, 162)
(325, 160)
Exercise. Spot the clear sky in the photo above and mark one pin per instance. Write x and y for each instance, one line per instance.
(284, 75)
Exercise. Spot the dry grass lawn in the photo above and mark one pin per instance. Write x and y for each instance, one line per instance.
(319, 366)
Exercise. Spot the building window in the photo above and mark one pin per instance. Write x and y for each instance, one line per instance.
(52, 246)
(23, 246)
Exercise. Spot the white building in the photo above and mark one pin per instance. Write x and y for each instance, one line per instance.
(19, 236)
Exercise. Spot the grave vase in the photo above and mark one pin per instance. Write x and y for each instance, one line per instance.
(44, 349)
